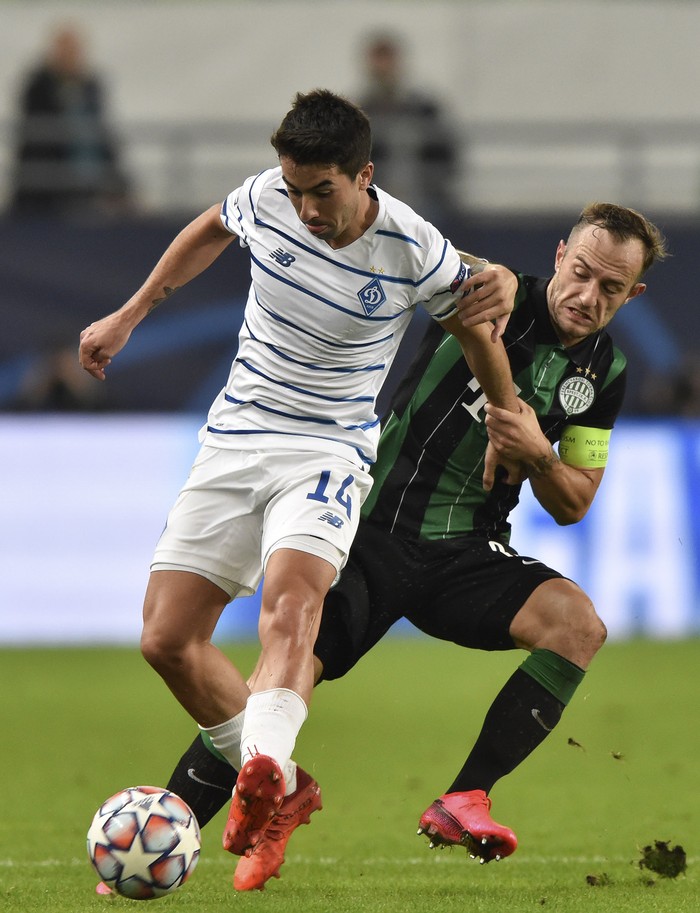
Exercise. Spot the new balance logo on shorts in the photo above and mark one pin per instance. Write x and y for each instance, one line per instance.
(282, 257)
(333, 519)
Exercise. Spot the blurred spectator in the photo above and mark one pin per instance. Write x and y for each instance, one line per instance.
(413, 149)
(55, 382)
(675, 393)
(66, 159)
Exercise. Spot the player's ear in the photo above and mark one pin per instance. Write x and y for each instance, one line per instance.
(559, 256)
(637, 289)
(366, 176)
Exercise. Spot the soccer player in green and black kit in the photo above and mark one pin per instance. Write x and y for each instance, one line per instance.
(434, 534)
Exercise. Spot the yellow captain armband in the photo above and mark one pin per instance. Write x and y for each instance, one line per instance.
(586, 448)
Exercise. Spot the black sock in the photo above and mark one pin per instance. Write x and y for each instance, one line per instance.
(203, 781)
(520, 718)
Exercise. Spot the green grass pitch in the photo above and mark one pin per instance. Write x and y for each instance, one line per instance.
(620, 772)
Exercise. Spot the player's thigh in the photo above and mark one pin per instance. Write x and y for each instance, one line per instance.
(215, 525)
(475, 590)
(296, 582)
(180, 607)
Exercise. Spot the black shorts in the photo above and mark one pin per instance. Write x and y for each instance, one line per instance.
(465, 590)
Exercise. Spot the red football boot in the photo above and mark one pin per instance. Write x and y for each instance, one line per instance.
(257, 796)
(463, 819)
(267, 856)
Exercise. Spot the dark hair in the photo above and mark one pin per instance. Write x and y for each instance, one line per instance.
(322, 128)
(623, 224)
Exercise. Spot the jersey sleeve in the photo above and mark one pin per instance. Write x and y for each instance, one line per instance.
(444, 272)
(585, 441)
(606, 408)
(238, 209)
(231, 216)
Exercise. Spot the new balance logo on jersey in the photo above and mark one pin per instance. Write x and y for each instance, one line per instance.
(282, 257)
(333, 519)
(372, 296)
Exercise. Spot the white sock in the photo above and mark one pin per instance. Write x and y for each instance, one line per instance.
(272, 722)
(226, 738)
(290, 777)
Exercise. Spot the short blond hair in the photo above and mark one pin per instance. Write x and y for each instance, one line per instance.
(624, 223)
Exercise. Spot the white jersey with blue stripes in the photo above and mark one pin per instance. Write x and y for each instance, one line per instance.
(321, 326)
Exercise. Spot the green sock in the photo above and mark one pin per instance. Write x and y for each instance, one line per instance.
(560, 677)
(206, 738)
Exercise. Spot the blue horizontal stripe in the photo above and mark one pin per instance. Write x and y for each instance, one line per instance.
(364, 426)
(290, 239)
(309, 365)
(328, 342)
(320, 437)
(360, 315)
(444, 314)
(329, 399)
(398, 236)
(395, 280)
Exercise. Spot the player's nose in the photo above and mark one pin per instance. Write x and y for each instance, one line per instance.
(308, 210)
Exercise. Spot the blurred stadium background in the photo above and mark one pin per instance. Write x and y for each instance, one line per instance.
(554, 103)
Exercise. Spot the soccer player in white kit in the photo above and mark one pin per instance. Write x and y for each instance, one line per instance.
(337, 269)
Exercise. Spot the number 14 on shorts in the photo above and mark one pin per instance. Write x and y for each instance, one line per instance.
(321, 495)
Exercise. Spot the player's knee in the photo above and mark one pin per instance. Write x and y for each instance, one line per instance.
(161, 650)
(595, 627)
(587, 625)
(582, 630)
(560, 617)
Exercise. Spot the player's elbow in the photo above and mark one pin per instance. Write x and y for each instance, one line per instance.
(569, 514)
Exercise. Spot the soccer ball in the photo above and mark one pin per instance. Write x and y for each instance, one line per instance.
(144, 842)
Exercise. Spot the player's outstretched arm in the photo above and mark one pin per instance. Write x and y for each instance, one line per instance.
(487, 295)
(191, 252)
(487, 360)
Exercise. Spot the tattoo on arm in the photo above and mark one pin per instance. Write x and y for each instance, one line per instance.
(167, 292)
(544, 464)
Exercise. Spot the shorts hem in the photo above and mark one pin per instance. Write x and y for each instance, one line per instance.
(184, 563)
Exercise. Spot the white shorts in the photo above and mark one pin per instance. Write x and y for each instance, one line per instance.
(237, 507)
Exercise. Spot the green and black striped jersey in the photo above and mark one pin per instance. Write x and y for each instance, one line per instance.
(428, 475)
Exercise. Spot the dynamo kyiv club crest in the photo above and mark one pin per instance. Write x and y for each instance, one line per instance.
(372, 296)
